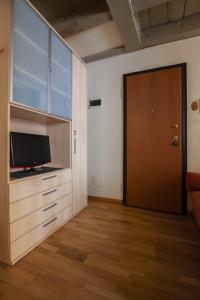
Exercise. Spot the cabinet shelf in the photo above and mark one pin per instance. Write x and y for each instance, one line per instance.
(25, 113)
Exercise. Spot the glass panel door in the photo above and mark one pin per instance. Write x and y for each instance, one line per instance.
(61, 78)
(30, 57)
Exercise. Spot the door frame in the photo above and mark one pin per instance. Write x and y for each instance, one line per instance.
(184, 129)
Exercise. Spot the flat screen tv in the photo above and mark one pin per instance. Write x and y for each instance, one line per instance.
(29, 150)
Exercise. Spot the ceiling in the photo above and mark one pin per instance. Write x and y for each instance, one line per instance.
(170, 11)
(53, 10)
(140, 23)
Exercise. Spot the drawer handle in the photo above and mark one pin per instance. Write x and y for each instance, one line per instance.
(48, 193)
(53, 205)
(48, 223)
(50, 177)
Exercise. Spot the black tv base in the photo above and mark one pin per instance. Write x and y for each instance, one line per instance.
(32, 172)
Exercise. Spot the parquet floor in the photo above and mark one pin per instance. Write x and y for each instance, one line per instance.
(111, 252)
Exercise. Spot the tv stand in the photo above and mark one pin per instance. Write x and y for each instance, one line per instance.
(32, 172)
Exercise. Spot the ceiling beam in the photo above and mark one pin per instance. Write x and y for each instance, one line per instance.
(145, 4)
(104, 54)
(74, 25)
(127, 22)
(179, 30)
(96, 40)
(176, 10)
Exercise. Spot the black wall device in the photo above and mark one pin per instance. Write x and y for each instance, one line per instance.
(95, 102)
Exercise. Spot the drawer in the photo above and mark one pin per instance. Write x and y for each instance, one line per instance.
(32, 238)
(28, 205)
(28, 187)
(22, 226)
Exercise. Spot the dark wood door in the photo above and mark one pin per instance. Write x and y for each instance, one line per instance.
(155, 139)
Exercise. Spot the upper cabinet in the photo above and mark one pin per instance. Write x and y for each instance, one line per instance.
(61, 78)
(42, 64)
(30, 57)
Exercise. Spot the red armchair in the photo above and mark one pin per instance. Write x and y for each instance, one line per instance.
(193, 186)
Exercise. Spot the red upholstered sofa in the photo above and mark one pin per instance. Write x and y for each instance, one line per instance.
(193, 187)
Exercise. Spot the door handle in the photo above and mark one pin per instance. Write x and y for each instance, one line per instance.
(175, 126)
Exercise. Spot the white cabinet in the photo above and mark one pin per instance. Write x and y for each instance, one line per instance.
(35, 91)
(79, 135)
(38, 207)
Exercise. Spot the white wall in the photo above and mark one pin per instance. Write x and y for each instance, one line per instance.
(105, 125)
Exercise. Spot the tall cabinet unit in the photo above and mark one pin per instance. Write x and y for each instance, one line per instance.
(43, 90)
(79, 133)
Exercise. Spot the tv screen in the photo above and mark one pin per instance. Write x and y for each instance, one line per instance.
(29, 150)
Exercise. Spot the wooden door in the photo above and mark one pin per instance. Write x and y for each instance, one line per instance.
(79, 136)
(155, 139)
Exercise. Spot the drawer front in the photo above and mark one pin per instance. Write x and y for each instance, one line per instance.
(28, 205)
(24, 225)
(29, 187)
(29, 240)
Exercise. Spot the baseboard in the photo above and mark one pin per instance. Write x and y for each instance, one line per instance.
(106, 200)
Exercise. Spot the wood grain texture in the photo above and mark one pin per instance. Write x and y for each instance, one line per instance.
(60, 144)
(106, 200)
(4, 128)
(58, 132)
(175, 10)
(111, 252)
(22, 188)
(25, 113)
(36, 218)
(21, 208)
(158, 15)
(79, 135)
(29, 240)
(154, 166)
(192, 7)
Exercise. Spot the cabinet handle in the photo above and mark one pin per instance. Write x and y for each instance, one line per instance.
(53, 205)
(50, 177)
(48, 193)
(74, 146)
(75, 133)
(48, 223)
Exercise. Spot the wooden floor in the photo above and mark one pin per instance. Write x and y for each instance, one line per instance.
(111, 252)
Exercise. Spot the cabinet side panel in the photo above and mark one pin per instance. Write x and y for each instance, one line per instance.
(4, 128)
(75, 138)
(79, 123)
(84, 110)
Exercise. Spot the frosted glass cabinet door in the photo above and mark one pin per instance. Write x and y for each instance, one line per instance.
(30, 57)
(61, 78)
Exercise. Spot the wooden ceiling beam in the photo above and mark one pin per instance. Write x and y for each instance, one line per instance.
(176, 10)
(185, 28)
(69, 26)
(145, 4)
